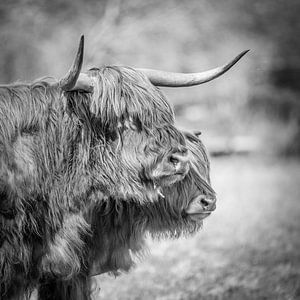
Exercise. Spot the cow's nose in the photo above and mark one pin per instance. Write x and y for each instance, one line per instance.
(208, 203)
(201, 206)
(180, 161)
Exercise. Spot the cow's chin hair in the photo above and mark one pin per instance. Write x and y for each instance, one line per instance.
(121, 227)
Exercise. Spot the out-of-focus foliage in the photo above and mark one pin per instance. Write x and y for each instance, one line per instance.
(259, 97)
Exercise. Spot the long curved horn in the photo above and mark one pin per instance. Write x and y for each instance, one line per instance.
(162, 78)
(68, 82)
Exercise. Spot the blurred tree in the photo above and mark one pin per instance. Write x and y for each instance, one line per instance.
(39, 37)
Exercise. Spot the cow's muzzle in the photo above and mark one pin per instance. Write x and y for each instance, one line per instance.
(201, 207)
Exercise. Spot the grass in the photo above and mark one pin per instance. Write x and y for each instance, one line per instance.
(248, 249)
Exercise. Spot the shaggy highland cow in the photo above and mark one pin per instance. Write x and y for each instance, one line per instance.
(119, 227)
(68, 147)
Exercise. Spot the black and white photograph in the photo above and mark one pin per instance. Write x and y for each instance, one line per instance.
(149, 150)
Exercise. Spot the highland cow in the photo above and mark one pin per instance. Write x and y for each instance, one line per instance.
(119, 227)
(69, 146)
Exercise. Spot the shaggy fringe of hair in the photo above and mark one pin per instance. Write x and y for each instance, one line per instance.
(123, 97)
(120, 94)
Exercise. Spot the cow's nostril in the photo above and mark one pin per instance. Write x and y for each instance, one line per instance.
(178, 158)
(174, 160)
(204, 202)
(208, 203)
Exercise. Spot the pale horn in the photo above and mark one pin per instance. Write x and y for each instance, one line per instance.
(68, 82)
(169, 79)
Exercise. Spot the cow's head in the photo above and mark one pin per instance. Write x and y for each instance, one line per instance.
(186, 203)
(120, 227)
(135, 147)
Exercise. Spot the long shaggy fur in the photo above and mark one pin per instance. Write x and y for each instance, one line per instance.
(56, 150)
(119, 228)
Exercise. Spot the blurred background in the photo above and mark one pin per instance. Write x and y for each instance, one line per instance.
(249, 118)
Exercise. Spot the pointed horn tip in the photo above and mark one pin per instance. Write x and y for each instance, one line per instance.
(81, 43)
(243, 53)
(236, 59)
(80, 51)
(81, 46)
